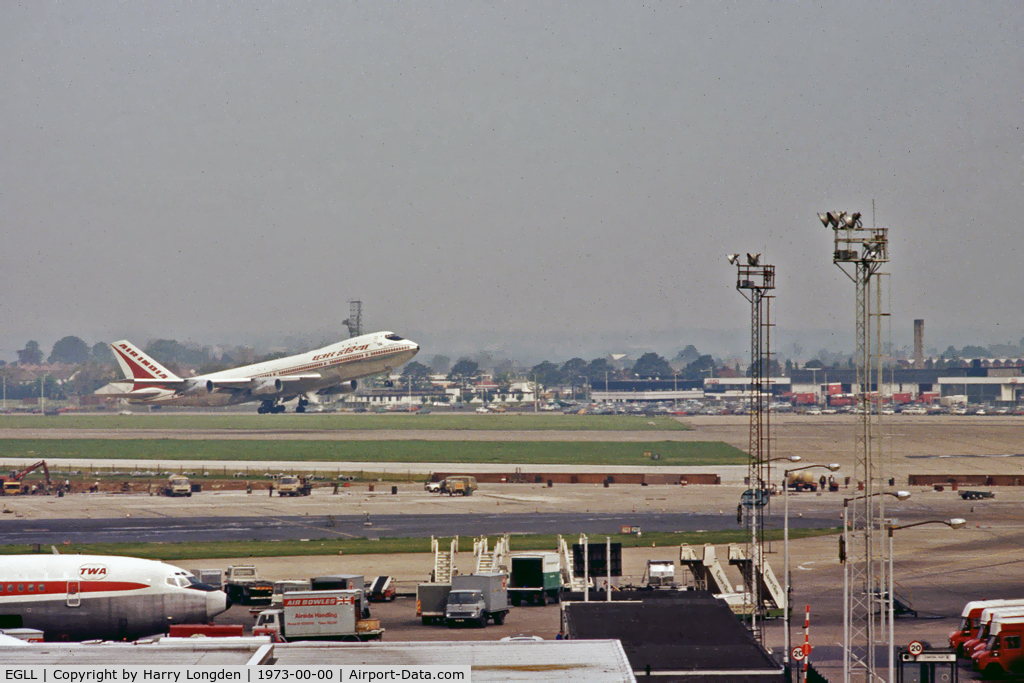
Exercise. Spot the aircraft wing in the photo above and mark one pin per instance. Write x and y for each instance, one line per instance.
(248, 382)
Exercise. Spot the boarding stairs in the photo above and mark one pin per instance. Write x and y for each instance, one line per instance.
(489, 559)
(569, 578)
(444, 560)
(708, 573)
(769, 588)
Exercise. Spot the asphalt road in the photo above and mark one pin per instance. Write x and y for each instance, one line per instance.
(281, 528)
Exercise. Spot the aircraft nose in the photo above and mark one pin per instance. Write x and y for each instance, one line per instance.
(216, 603)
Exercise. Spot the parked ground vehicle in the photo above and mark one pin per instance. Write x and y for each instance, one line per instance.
(534, 578)
(431, 599)
(976, 495)
(382, 589)
(460, 485)
(319, 615)
(337, 582)
(1002, 653)
(243, 585)
(989, 617)
(475, 598)
(211, 577)
(292, 485)
(433, 486)
(802, 481)
(287, 586)
(178, 485)
(970, 618)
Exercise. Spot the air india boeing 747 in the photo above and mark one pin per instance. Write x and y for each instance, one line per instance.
(333, 369)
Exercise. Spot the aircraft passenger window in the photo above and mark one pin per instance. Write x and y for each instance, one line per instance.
(42, 587)
(31, 588)
(21, 588)
(10, 588)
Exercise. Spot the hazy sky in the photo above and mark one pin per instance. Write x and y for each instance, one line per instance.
(534, 177)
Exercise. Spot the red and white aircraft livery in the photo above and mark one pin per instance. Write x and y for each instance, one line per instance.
(333, 369)
(82, 597)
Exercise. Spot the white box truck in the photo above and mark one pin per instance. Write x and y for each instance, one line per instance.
(475, 598)
(319, 615)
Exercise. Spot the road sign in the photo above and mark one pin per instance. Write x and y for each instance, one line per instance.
(754, 498)
(798, 653)
(915, 648)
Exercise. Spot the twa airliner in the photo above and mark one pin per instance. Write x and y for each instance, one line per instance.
(84, 597)
(333, 369)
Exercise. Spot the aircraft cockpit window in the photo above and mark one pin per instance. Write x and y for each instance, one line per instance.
(171, 581)
(392, 337)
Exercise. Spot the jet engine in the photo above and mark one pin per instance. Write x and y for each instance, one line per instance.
(197, 387)
(267, 386)
(343, 388)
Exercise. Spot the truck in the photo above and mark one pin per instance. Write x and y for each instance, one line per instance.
(989, 617)
(318, 615)
(243, 585)
(970, 621)
(1002, 653)
(976, 495)
(178, 485)
(339, 582)
(210, 577)
(431, 600)
(802, 481)
(459, 485)
(534, 578)
(288, 586)
(475, 598)
(292, 485)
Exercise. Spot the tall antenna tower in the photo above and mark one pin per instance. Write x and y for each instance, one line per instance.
(860, 252)
(754, 281)
(355, 318)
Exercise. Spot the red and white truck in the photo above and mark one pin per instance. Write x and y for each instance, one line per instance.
(318, 615)
(1002, 653)
(989, 616)
(970, 621)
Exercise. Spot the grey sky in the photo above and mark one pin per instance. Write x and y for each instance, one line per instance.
(515, 175)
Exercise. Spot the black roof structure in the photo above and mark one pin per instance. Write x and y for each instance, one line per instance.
(680, 635)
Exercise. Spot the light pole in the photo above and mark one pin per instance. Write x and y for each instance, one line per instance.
(831, 467)
(954, 523)
(847, 646)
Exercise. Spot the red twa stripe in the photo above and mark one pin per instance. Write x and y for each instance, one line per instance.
(10, 588)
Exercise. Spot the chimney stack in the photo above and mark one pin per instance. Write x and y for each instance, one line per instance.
(918, 344)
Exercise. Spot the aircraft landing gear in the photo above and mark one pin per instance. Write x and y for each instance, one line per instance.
(270, 407)
(303, 402)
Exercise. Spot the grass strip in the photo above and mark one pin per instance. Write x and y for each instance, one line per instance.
(672, 453)
(364, 546)
(346, 421)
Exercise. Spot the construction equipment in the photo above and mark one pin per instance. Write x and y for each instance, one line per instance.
(13, 484)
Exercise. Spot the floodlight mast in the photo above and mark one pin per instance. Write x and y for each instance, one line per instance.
(860, 253)
(754, 280)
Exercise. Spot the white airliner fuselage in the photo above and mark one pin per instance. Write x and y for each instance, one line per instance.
(330, 370)
(82, 597)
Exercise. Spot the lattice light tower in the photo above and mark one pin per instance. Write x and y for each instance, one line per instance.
(754, 281)
(354, 323)
(860, 252)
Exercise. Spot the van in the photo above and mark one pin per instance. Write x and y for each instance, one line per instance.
(461, 485)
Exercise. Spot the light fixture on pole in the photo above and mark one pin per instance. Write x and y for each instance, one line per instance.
(954, 523)
(831, 467)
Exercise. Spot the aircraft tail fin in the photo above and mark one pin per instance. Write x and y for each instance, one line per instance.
(139, 367)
